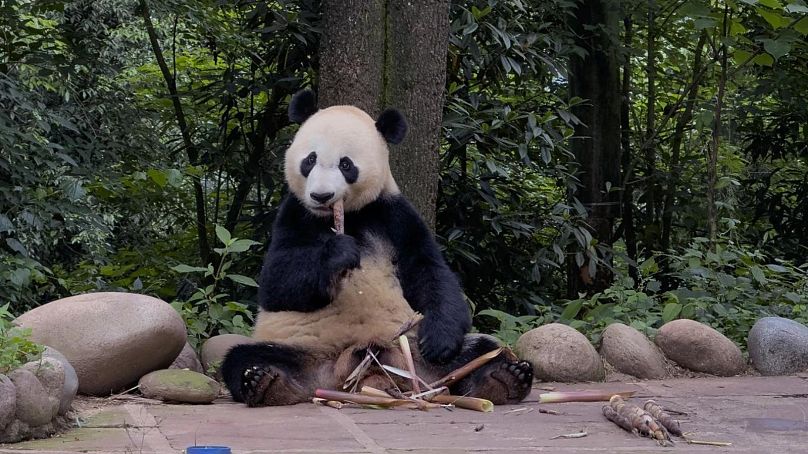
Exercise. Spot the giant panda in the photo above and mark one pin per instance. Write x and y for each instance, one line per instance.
(326, 298)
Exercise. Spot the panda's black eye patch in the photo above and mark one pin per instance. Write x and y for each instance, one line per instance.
(349, 170)
(307, 164)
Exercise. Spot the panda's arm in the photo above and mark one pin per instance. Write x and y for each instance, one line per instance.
(303, 259)
(428, 284)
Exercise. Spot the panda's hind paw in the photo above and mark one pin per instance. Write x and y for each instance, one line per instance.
(517, 378)
(255, 383)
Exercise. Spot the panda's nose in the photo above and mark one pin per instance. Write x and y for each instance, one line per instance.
(321, 197)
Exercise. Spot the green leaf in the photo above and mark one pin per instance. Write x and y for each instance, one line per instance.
(793, 297)
(776, 48)
(241, 245)
(671, 311)
(758, 275)
(572, 310)
(740, 56)
(763, 60)
(774, 19)
(188, 269)
(802, 26)
(774, 4)
(777, 268)
(222, 234)
(158, 176)
(796, 8)
(242, 280)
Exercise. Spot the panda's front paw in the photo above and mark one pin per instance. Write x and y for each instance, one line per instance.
(437, 343)
(341, 254)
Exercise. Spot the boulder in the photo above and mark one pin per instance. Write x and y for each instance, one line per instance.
(34, 406)
(778, 346)
(214, 349)
(8, 401)
(188, 359)
(179, 385)
(14, 432)
(51, 374)
(71, 385)
(560, 353)
(111, 339)
(630, 352)
(698, 347)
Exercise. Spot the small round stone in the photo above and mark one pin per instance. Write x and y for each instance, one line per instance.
(630, 352)
(778, 346)
(8, 401)
(188, 359)
(700, 348)
(179, 385)
(35, 406)
(560, 353)
(214, 350)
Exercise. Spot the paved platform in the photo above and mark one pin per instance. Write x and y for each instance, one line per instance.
(755, 414)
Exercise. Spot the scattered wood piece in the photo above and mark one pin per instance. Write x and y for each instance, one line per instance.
(339, 217)
(581, 396)
(548, 412)
(663, 417)
(409, 324)
(547, 388)
(404, 343)
(479, 428)
(371, 391)
(469, 403)
(708, 443)
(580, 434)
(470, 367)
(359, 371)
(328, 403)
(518, 410)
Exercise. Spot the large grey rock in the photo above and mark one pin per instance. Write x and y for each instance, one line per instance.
(560, 353)
(698, 347)
(71, 385)
(111, 339)
(179, 385)
(8, 401)
(215, 348)
(778, 346)
(630, 352)
(34, 406)
(188, 359)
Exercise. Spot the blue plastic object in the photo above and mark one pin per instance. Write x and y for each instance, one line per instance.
(207, 450)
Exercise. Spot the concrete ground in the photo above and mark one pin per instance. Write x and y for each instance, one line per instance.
(755, 414)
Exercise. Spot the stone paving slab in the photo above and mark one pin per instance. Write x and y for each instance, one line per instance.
(755, 414)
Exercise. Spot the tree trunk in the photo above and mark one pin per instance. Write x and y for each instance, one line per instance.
(650, 119)
(417, 77)
(381, 53)
(596, 145)
(352, 54)
(190, 146)
(712, 153)
(627, 196)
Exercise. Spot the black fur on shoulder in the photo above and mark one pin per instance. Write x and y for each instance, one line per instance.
(302, 106)
(393, 126)
(305, 256)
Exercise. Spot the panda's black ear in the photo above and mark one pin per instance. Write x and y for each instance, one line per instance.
(392, 125)
(302, 106)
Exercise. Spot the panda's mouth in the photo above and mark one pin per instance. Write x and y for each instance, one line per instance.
(322, 210)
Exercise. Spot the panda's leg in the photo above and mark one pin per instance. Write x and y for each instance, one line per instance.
(270, 374)
(503, 380)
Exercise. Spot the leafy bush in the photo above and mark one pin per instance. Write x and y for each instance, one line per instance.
(210, 311)
(16, 347)
(728, 289)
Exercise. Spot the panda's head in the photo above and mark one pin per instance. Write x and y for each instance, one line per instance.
(340, 153)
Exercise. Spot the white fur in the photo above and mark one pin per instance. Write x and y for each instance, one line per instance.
(334, 133)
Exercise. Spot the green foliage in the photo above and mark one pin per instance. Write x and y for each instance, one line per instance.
(209, 310)
(728, 289)
(16, 347)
